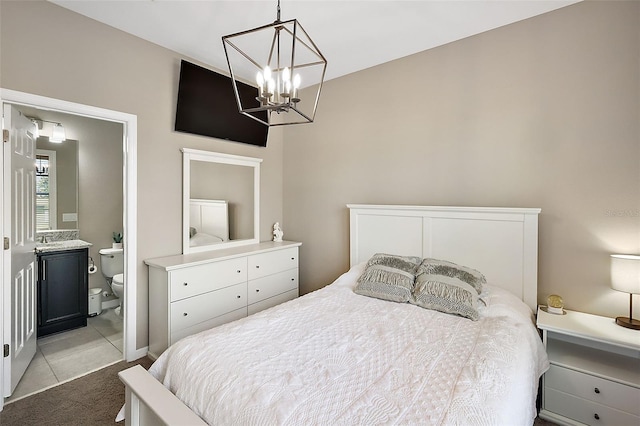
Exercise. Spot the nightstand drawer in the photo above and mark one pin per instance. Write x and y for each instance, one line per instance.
(587, 412)
(596, 389)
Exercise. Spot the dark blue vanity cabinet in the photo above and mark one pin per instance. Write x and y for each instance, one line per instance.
(62, 290)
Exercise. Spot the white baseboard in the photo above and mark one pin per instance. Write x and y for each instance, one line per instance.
(138, 353)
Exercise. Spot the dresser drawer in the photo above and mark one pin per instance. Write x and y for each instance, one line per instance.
(584, 411)
(268, 263)
(596, 389)
(263, 288)
(199, 279)
(206, 325)
(272, 301)
(194, 310)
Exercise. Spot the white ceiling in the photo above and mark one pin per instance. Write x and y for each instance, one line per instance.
(352, 35)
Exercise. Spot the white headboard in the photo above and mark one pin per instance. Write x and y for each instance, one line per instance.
(209, 217)
(502, 243)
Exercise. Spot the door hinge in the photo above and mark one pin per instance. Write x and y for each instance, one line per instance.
(7, 243)
(5, 135)
(6, 350)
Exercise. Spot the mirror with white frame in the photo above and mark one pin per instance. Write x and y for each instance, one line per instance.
(220, 200)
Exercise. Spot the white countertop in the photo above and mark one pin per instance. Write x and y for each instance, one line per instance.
(61, 246)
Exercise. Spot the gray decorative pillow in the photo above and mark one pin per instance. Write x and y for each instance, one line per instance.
(388, 277)
(446, 294)
(449, 269)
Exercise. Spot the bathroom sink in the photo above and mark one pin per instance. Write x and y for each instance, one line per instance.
(61, 245)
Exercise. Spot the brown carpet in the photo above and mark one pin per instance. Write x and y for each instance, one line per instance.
(94, 399)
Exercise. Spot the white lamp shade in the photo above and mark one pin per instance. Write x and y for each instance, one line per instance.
(625, 273)
(57, 134)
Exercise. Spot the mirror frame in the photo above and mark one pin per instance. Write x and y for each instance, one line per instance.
(189, 155)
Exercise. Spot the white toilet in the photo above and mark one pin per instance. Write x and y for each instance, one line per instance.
(112, 266)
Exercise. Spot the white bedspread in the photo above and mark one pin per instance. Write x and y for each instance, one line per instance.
(336, 358)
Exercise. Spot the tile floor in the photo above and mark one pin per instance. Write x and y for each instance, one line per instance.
(61, 357)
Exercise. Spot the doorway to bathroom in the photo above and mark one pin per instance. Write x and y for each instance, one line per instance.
(108, 338)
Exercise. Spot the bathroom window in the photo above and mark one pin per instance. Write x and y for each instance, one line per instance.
(45, 190)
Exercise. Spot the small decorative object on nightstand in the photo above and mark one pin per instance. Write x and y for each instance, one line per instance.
(555, 305)
(625, 276)
(594, 376)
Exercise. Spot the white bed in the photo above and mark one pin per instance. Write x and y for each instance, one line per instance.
(336, 357)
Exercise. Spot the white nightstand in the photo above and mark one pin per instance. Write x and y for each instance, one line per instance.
(594, 377)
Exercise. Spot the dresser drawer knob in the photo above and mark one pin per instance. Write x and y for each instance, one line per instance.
(238, 296)
(186, 284)
(257, 266)
(238, 271)
(257, 290)
(596, 390)
(184, 314)
(293, 258)
(293, 279)
(596, 416)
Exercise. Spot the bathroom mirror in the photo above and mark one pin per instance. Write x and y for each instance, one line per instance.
(220, 200)
(56, 185)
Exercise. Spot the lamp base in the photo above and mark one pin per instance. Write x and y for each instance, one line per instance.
(628, 322)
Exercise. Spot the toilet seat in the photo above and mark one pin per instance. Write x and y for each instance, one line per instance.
(118, 279)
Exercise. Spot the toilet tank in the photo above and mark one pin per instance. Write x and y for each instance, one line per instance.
(111, 261)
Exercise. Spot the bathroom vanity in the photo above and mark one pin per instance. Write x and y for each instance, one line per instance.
(62, 287)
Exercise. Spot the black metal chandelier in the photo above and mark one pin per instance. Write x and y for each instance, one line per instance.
(278, 60)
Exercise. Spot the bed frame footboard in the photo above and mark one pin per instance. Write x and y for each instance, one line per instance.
(148, 402)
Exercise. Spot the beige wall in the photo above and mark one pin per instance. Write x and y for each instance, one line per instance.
(542, 113)
(93, 64)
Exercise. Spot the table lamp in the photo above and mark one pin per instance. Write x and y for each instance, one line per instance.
(625, 276)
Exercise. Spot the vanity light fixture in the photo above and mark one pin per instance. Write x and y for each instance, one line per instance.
(57, 134)
(38, 125)
(625, 277)
(280, 58)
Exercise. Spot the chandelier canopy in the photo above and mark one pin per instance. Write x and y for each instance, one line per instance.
(278, 60)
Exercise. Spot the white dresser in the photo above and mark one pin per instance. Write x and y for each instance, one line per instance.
(594, 377)
(194, 292)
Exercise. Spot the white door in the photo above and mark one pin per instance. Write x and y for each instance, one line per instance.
(20, 270)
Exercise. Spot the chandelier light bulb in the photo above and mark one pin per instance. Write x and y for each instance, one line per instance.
(267, 73)
(271, 86)
(296, 85)
(286, 82)
(260, 81)
(286, 74)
